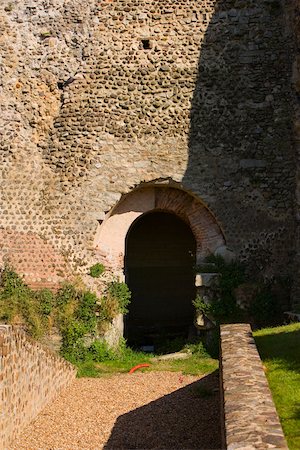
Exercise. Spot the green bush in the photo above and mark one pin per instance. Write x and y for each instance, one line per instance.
(97, 270)
(115, 300)
(120, 292)
(223, 306)
(20, 305)
(46, 299)
(75, 312)
(99, 351)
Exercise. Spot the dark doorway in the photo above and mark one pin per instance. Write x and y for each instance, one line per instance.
(160, 255)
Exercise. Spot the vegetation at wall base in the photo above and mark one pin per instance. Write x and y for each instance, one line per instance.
(102, 361)
(264, 310)
(78, 314)
(280, 351)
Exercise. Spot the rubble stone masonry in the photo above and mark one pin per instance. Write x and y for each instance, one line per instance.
(99, 97)
(30, 377)
(250, 418)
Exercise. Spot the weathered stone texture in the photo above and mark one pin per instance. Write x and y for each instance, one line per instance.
(30, 377)
(293, 20)
(250, 418)
(101, 96)
(39, 263)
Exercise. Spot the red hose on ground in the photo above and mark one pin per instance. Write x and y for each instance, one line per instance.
(139, 366)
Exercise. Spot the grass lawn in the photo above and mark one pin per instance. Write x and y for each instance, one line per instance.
(279, 349)
(194, 365)
(199, 361)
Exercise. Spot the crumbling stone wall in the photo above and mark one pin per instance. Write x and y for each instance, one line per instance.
(30, 377)
(102, 96)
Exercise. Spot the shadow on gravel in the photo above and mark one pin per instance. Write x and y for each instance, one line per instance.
(189, 418)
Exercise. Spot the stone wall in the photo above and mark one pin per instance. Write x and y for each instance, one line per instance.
(293, 20)
(30, 377)
(41, 265)
(250, 417)
(101, 96)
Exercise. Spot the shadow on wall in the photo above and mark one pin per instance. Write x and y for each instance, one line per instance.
(188, 418)
(241, 159)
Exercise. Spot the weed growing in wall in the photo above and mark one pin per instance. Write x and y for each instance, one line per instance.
(97, 270)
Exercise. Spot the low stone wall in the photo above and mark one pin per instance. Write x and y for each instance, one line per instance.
(30, 377)
(250, 417)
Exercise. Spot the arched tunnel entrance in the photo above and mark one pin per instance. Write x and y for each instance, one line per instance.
(159, 266)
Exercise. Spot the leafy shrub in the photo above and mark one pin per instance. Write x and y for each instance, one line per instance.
(46, 300)
(87, 307)
(97, 270)
(121, 293)
(76, 312)
(73, 347)
(19, 304)
(223, 306)
(99, 351)
(115, 301)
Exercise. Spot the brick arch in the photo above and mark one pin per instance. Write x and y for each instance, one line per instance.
(111, 234)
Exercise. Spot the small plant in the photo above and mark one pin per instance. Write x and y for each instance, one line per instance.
(99, 351)
(201, 306)
(115, 301)
(97, 270)
(46, 34)
(46, 299)
(120, 292)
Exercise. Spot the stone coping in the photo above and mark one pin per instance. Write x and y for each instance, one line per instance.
(250, 418)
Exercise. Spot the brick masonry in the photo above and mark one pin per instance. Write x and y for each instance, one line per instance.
(30, 377)
(102, 96)
(250, 418)
(41, 265)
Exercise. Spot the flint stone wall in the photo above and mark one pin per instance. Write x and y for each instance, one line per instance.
(30, 377)
(250, 418)
(101, 96)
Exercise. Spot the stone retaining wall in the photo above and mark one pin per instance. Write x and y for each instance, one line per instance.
(250, 417)
(30, 377)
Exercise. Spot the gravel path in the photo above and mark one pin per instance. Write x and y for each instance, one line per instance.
(155, 410)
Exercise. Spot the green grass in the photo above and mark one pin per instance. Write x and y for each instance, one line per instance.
(194, 365)
(279, 349)
(199, 362)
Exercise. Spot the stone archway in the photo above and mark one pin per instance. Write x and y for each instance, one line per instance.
(110, 237)
(159, 266)
(110, 240)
